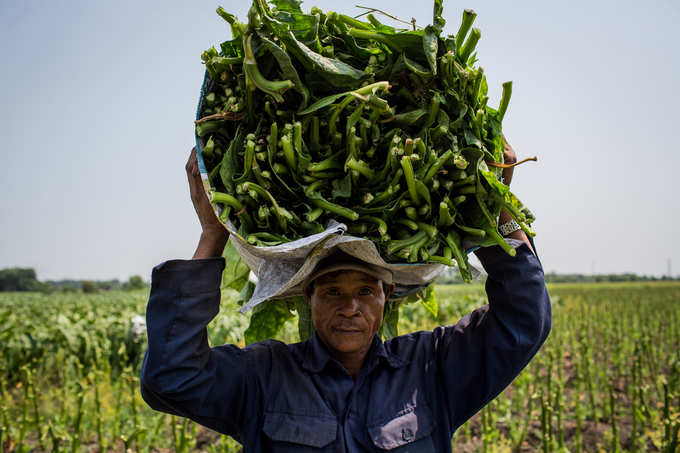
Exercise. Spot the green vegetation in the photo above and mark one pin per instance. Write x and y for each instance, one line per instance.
(18, 279)
(451, 277)
(607, 379)
(599, 278)
(312, 117)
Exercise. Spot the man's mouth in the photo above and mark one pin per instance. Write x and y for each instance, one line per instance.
(347, 330)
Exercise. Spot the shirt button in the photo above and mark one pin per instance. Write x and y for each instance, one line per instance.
(407, 434)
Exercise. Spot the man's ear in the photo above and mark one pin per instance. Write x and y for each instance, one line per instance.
(388, 290)
(308, 295)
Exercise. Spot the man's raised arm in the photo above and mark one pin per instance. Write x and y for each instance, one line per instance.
(483, 353)
(181, 374)
(213, 235)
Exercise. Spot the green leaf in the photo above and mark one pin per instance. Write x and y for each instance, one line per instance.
(305, 27)
(495, 130)
(438, 21)
(230, 162)
(492, 180)
(291, 6)
(233, 48)
(246, 293)
(342, 188)
(236, 272)
(323, 102)
(289, 71)
(455, 124)
(409, 43)
(527, 213)
(407, 119)
(267, 320)
(428, 300)
(484, 90)
(514, 201)
(416, 68)
(359, 51)
(336, 73)
(389, 327)
(471, 139)
(305, 323)
(430, 46)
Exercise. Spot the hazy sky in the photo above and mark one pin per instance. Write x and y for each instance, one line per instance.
(97, 101)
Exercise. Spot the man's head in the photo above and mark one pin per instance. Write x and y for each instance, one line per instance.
(347, 297)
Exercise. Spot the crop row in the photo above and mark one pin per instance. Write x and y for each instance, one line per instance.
(607, 379)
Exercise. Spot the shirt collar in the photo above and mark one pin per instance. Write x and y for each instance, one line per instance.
(317, 357)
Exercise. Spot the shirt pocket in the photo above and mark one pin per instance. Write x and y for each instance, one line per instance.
(409, 430)
(311, 430)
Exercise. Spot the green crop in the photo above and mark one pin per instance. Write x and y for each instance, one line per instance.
(318, 116)
(311, 117)
(607, 378)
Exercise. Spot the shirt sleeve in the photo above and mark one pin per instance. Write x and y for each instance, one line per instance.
(181, 374)
(483, 353)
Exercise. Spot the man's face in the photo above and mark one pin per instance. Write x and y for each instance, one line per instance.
(347, 308)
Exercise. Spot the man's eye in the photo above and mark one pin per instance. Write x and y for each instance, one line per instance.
(365, 291)
(333, 292)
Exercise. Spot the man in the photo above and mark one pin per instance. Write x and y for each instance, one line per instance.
(344, 390)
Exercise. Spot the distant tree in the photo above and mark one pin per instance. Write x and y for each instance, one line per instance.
(18, 279)
(89, 287)
(67, 289)
(105, 286)
(135, 282)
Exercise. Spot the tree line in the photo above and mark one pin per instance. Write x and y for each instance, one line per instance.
(452, 277)
(25, 279)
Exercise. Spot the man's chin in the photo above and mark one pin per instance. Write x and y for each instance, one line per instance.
(348, 341)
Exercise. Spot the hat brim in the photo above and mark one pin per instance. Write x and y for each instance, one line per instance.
(343, 261)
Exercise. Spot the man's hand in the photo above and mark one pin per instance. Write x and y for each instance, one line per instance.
(509, 157)
(214, 235)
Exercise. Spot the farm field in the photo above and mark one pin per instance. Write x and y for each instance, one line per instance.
(607, 379)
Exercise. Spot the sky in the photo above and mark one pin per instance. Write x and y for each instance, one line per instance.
(97, 102)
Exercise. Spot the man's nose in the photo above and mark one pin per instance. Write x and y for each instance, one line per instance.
(349, 307)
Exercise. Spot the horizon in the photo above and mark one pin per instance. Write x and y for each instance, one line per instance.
(97, 103)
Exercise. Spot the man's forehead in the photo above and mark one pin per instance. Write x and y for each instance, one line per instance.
(349, 275)
(342, 261)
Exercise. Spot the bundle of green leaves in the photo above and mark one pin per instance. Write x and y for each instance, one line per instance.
(317, 116)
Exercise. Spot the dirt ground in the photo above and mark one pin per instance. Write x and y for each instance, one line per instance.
(593, 439)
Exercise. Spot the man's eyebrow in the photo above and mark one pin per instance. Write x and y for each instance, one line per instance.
(329, 279)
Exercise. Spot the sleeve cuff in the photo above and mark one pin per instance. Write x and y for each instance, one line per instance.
(495, 254)
(189, 276)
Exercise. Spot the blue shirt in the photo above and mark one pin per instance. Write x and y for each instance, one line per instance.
(411, 395)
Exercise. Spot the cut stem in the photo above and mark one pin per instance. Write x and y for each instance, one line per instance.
(505, 100)
(410, 179)
(500, 165)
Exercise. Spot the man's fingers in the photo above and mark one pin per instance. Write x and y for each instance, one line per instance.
(193, 160)
(192, 169)
(509, 157)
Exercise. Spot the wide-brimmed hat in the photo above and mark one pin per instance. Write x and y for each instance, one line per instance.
(340, 260)
(283, 270)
